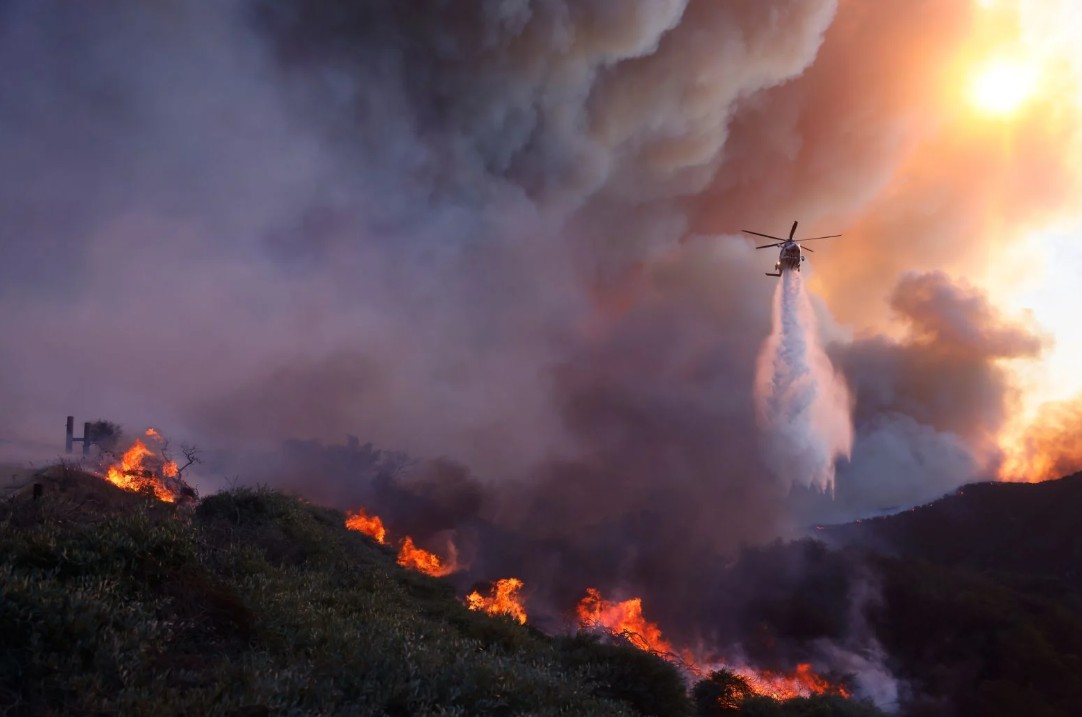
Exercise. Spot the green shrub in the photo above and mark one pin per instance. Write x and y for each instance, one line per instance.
(258, 604)
(645, 682)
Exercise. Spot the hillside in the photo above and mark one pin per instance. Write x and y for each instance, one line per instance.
(251, 602)
(1026, 534)
(980, 598)
(255, 603)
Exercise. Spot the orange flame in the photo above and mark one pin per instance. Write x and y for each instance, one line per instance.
(169, 468)
(802, 682)
(503, 599)
(132, 473)
(370, 525)
(624, 619)
(410, 556)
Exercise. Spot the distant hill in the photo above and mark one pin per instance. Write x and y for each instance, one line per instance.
(1027, 534)
(979, 603)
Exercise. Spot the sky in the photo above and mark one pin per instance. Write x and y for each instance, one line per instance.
(504, 237)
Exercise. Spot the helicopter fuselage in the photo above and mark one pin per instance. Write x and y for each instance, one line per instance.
(789, 257)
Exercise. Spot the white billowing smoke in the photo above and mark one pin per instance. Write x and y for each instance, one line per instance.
(802, 403)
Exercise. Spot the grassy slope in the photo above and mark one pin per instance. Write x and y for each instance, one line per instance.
(261, 604)
(255, 603)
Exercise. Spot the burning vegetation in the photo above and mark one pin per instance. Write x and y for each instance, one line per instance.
(626, 620)
(370, 525)
(503, 599)
(363, 623)
(801, 682)
(623, 619)
(409, 555)
(633, 658)
(140, 469)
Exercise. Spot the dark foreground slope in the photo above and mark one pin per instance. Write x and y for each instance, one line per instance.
(260, 604)
(255, 603)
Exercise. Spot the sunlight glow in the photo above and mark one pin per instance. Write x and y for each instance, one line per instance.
(1001, 86)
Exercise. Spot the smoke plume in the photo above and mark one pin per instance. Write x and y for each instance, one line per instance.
(1050, 447)
(494, 240)
(802, 404)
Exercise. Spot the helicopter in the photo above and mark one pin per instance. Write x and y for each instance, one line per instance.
(790, 256)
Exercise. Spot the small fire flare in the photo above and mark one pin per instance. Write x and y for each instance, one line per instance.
(801, 682)
(134, 470)
(410, 556)
(370, 525)
(623, 619)
(503, 599)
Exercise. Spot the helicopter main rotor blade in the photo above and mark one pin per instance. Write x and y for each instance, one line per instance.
(828, 236)
(804, 248)
(767, 246)
(792, 231)
(758, 234)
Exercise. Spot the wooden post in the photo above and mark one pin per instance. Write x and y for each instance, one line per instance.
(70, 438)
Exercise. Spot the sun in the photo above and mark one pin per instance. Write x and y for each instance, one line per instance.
(1001, 86)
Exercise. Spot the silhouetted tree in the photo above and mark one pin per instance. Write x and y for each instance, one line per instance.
(722, 693)
(105, 435)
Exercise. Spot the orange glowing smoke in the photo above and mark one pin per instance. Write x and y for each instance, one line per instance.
(624, 619)
(801, 682)
(133, 472)
(1049, 447)
(410, 556)
(370, 525)
(503, 599)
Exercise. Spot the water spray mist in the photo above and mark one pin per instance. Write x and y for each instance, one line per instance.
(803, 405)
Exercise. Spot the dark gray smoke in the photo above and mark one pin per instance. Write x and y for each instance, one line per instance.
(407, 222)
